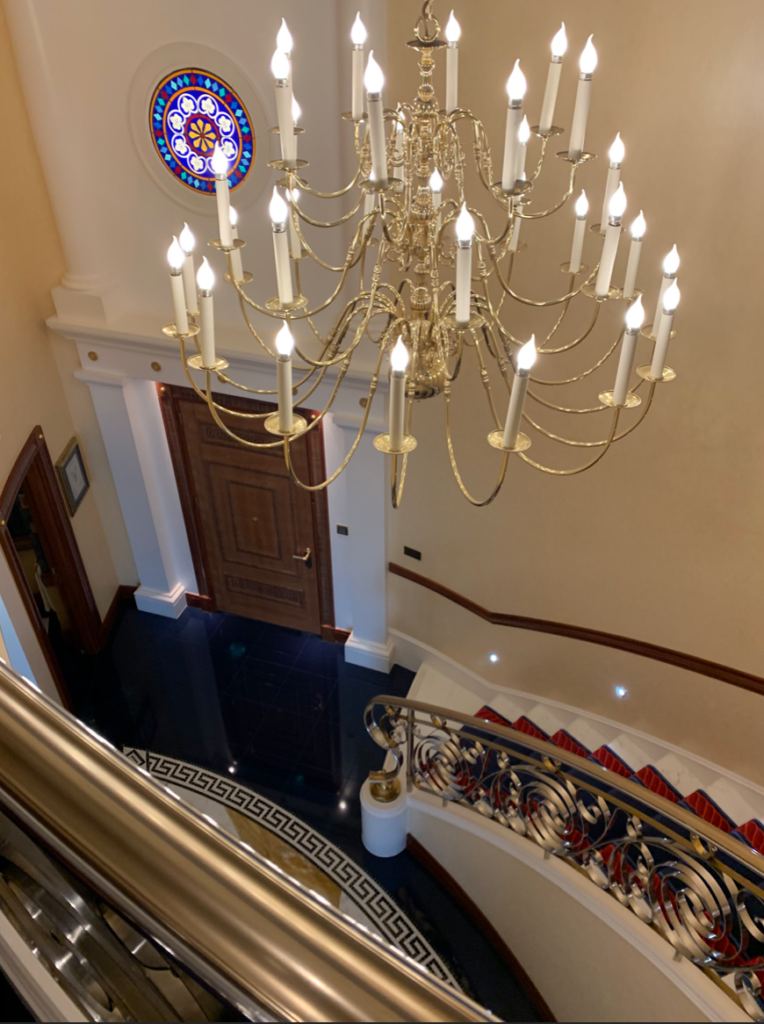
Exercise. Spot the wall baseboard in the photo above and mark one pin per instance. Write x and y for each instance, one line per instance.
(123, 596)
(334, 635)
(368, 654)
(156, 602)
(476, 915)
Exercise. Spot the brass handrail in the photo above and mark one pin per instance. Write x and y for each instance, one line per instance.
(258, 939)
(702, 889)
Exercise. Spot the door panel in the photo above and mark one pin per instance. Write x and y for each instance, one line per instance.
(253, 520)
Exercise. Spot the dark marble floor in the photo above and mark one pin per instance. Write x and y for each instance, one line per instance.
(283, 711)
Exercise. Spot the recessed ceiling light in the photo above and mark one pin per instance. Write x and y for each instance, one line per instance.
(620, 691)
(343, 805)
(493, 657)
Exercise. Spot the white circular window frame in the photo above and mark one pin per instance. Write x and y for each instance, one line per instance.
(176, 57)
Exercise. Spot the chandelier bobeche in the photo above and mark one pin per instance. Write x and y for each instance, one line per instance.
(428, 326)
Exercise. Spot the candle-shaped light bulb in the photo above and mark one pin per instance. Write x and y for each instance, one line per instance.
(516, 84)
(526, 357)
(219, 165)
(465, 226)
(279, 213)
(284, 341)
(616, 209)
(176, 258)
(453, 30)
(358, 33)
(617, 151)
(587, 63)
(206, 279)
(560, 43)
(671, 263)
(579, 233)
(399, 360)
(637, 229)
(296, 110)
(278, 210)
(233, 216)
(436, 183)
(523, 134)
(284, 41)
(670, 267)
(284, 347)
(638, 226)
(187, 243)
(399, 357)
(559, 46)
(374, 79)
(635, 317)
(617, 204)
(588, 59)
(280, 66)
(663, 334)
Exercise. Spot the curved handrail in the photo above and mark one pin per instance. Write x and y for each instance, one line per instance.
(258, 939)
(702, 889)
(643, 648)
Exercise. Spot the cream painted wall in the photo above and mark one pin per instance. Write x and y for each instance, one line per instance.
(663, 540)
(31, 263)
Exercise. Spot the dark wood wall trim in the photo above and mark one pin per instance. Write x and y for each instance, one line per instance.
(701, 666)
(123, 596)
(476, 915)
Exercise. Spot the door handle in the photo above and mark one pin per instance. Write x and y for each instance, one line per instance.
(304, 558)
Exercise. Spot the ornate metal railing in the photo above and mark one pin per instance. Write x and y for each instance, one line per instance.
(701, 889)
(122, 889)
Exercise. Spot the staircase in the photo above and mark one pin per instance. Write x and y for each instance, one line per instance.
(720, 798)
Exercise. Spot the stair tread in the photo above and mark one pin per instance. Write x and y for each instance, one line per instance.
(563, 739)
(657, 783)
(702, 804)
(610, 760)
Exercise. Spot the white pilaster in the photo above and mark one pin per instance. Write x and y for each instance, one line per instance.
(367, 498)
(133, 432)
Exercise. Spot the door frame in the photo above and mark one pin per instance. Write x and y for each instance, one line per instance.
(169, 397)
(34, 471)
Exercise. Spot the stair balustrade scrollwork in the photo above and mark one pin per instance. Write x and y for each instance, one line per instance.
(701, 889)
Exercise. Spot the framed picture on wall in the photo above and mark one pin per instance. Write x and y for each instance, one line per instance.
(73, 475)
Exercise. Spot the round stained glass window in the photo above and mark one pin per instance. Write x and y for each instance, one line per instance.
(190, 111)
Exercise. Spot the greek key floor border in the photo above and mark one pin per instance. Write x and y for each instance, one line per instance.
(392, 922)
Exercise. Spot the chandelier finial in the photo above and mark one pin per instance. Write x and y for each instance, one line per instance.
(427, 29)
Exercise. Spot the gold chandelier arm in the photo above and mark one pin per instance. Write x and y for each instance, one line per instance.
(542, 154)
(295, 314)
(485, 379)
(594, 444)
(454, 467)
(350, 260)
(580, 412)
(572, 380)
(305, 187)
(325, 223)
(582, 337)
(549, 302)
(556, 207)
(579, 469)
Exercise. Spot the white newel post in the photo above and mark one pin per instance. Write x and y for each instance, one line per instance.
(367, 498)
(133, 432)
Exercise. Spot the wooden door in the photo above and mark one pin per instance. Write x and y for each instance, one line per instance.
(263, 542)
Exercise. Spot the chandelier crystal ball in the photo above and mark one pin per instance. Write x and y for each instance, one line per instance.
(427, 277)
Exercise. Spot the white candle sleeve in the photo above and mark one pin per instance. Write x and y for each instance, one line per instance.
(665, 283)
(286, 121)
(661, 344)
(515, 239)
(236, 267)
(377, 136)
(189, 285)
(284, 385)
(283, 268)
(207, 330)
(511, 147)
(369, 202)
(224, 212)
(452, 78)
(397, 408)
(611, 187)
(630, 282)
(625, 364)
(463, 282)
(607, 260)
(550, 95)
(579, 234)
(295, 245)
(580, 117)
(179, 302)
(515, 410)
(357, 101)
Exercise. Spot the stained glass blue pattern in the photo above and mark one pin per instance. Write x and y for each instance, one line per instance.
(190, 111)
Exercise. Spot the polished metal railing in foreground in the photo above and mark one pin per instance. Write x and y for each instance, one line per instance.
(227, 918)
(701, 889)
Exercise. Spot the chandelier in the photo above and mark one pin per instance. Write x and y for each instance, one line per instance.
(424, 280)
